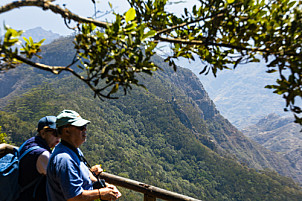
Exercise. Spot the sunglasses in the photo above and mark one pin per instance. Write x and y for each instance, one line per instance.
(52, 131)
(81, 128)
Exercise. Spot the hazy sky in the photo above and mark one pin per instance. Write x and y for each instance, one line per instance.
(31, 17)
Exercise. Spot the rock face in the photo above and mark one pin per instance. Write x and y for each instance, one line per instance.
(280, 135)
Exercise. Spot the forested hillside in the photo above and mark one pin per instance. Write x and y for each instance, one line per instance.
(170, 136)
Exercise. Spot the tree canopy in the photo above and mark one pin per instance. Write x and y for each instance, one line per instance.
(221, 33)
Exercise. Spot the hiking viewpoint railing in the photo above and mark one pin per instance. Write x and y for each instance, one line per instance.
(150, 192)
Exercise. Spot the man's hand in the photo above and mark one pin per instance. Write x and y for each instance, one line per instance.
(96, 169)
(110, 193)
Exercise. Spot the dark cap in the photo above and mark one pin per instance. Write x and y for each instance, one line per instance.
(48, 121)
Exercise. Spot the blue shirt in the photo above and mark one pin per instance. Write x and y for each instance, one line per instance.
(67, 175)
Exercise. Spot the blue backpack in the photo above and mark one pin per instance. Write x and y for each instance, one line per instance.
(9, 173)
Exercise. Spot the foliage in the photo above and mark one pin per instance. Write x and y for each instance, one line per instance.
(24, 112)
(34, 105)
(17, 131)
(223, 34)
(2, 136)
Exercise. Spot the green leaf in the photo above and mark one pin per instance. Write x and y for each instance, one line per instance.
(31, 40)
(230, 1)
(150, 33)
(114, 89)
(130, 14)
(25, 39)
(41, 41)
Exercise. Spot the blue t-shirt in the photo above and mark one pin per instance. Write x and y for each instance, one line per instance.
(67, 175)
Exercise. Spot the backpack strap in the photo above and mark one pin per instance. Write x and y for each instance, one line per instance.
(27, 151)
(20, 148)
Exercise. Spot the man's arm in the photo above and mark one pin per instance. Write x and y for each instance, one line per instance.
(42, 162)
(107, 193)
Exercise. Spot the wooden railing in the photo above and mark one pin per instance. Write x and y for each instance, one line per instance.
(150, 192)
(6, 148)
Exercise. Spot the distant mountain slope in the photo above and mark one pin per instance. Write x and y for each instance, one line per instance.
(219, 132)
(280, 135)
(14, 83)
(276, 133)
(38, 34)
(170, 136)
(239, 94)
(18, 81)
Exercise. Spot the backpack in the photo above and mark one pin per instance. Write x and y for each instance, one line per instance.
(9, 173)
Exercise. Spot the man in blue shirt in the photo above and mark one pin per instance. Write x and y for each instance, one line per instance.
(68, 178)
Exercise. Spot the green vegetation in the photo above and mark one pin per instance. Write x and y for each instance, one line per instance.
(2, 136)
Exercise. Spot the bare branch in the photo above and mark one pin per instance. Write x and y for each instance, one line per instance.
(54, 69)
(46, 4)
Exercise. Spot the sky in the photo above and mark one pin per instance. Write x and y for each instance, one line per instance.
(31, 17)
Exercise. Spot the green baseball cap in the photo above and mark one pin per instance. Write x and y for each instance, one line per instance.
(70, 117)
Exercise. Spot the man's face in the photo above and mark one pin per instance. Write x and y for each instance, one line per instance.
(50, 136)
(78, 135)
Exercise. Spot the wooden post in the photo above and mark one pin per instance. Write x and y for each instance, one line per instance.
(149, 198)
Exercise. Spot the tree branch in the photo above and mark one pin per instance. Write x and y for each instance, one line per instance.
(199, 42)
(46, 4)
(58, 69)
(54, 69)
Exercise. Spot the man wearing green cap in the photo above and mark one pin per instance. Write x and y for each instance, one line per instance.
(32, 167)
(68, 177)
